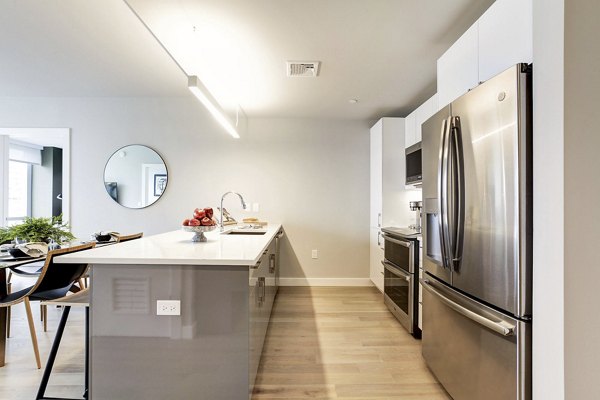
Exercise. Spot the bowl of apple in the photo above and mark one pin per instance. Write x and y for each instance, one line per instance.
(201, 221)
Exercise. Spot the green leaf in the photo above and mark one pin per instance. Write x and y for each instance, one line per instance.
(39, 230)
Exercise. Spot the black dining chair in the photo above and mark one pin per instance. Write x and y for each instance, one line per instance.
(54, 282)
(24, 271)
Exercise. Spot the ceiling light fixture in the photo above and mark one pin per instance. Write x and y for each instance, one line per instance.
(202, 93)
(196, 86)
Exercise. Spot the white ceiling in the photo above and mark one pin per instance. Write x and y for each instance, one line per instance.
(381, 52)
(56, 48)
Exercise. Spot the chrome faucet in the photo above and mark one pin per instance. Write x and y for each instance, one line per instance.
(223, 197)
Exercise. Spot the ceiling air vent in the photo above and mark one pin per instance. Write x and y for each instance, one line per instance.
(308, 69)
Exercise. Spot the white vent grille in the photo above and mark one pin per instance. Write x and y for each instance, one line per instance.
(309, 69)
(131, 295)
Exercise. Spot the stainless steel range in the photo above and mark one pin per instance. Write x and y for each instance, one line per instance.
(401, 278)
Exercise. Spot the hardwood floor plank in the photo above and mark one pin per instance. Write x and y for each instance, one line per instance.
(354, 348)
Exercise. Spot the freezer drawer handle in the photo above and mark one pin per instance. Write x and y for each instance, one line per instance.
(498, 327)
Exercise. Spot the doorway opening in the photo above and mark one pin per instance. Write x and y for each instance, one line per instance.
(35, 166)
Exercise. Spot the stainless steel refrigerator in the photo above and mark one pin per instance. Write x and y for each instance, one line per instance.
(477, 232)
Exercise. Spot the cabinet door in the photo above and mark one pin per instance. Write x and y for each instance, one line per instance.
(394, 173)
(255, 345)
(410, 134)
(376, 179)
(376, 257)
(271, 279)
(423, 113)
(505, 37)
(457, 68)
(420, 320)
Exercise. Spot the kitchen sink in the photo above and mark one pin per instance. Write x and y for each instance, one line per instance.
(244, 232)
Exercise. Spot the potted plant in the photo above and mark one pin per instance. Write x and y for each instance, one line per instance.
(38, 230)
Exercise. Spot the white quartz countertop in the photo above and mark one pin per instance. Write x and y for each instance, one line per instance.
(177, 248)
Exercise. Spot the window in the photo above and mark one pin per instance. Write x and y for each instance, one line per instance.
(19, 191)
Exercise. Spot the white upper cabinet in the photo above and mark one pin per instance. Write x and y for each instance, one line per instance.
(387, 173)
(501, 38)
(505, 37)
(458, 67)
(376, 176)
(423, 113)
(415, 119)
(410, 129)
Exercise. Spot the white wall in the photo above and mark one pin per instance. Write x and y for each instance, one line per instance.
(548, 202)
(4, 150)
(311, 175)
(582, 199)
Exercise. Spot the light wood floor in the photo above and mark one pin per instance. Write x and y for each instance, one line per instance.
(323, 343)
(340, 343)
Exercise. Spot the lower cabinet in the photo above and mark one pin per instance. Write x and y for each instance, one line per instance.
(263, 285)
(375, 258)
(211, 350)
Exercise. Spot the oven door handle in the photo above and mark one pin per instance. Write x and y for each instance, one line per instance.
(400, 242)
(397, 271)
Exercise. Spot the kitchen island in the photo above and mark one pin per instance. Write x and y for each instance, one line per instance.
(223, 291)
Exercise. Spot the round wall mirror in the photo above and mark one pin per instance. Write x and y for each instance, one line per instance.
(135, 176)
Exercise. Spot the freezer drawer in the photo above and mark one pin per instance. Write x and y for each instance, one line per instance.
(474, 351)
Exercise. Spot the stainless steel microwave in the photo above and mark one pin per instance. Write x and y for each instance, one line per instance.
(414, 174)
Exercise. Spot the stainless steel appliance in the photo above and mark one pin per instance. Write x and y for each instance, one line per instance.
(413, 164)
(400, 283)
(416, 207)
(477, 232)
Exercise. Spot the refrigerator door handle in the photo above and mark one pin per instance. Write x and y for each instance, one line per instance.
(458, 192)
(500, 327)
(443, 191)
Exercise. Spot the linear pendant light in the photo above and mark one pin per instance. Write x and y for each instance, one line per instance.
(200, 91)
(195, 85)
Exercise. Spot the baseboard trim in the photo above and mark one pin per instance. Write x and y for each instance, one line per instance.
(325, 282)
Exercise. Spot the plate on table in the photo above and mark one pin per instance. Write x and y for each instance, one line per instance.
(18, 254)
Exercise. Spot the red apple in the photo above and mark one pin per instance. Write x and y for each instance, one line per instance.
(209, 212)
(206, 221)
(199, 214)
(194, 222)
(186, 222)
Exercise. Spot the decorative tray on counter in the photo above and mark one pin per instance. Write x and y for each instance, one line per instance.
(199, 232)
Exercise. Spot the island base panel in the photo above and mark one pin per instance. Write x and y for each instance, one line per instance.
(136, 354)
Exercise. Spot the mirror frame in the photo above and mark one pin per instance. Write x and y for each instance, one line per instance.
(116, 152)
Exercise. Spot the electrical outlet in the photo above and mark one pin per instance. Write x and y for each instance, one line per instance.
(255, 207)
(168, 307)
(315, 254)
